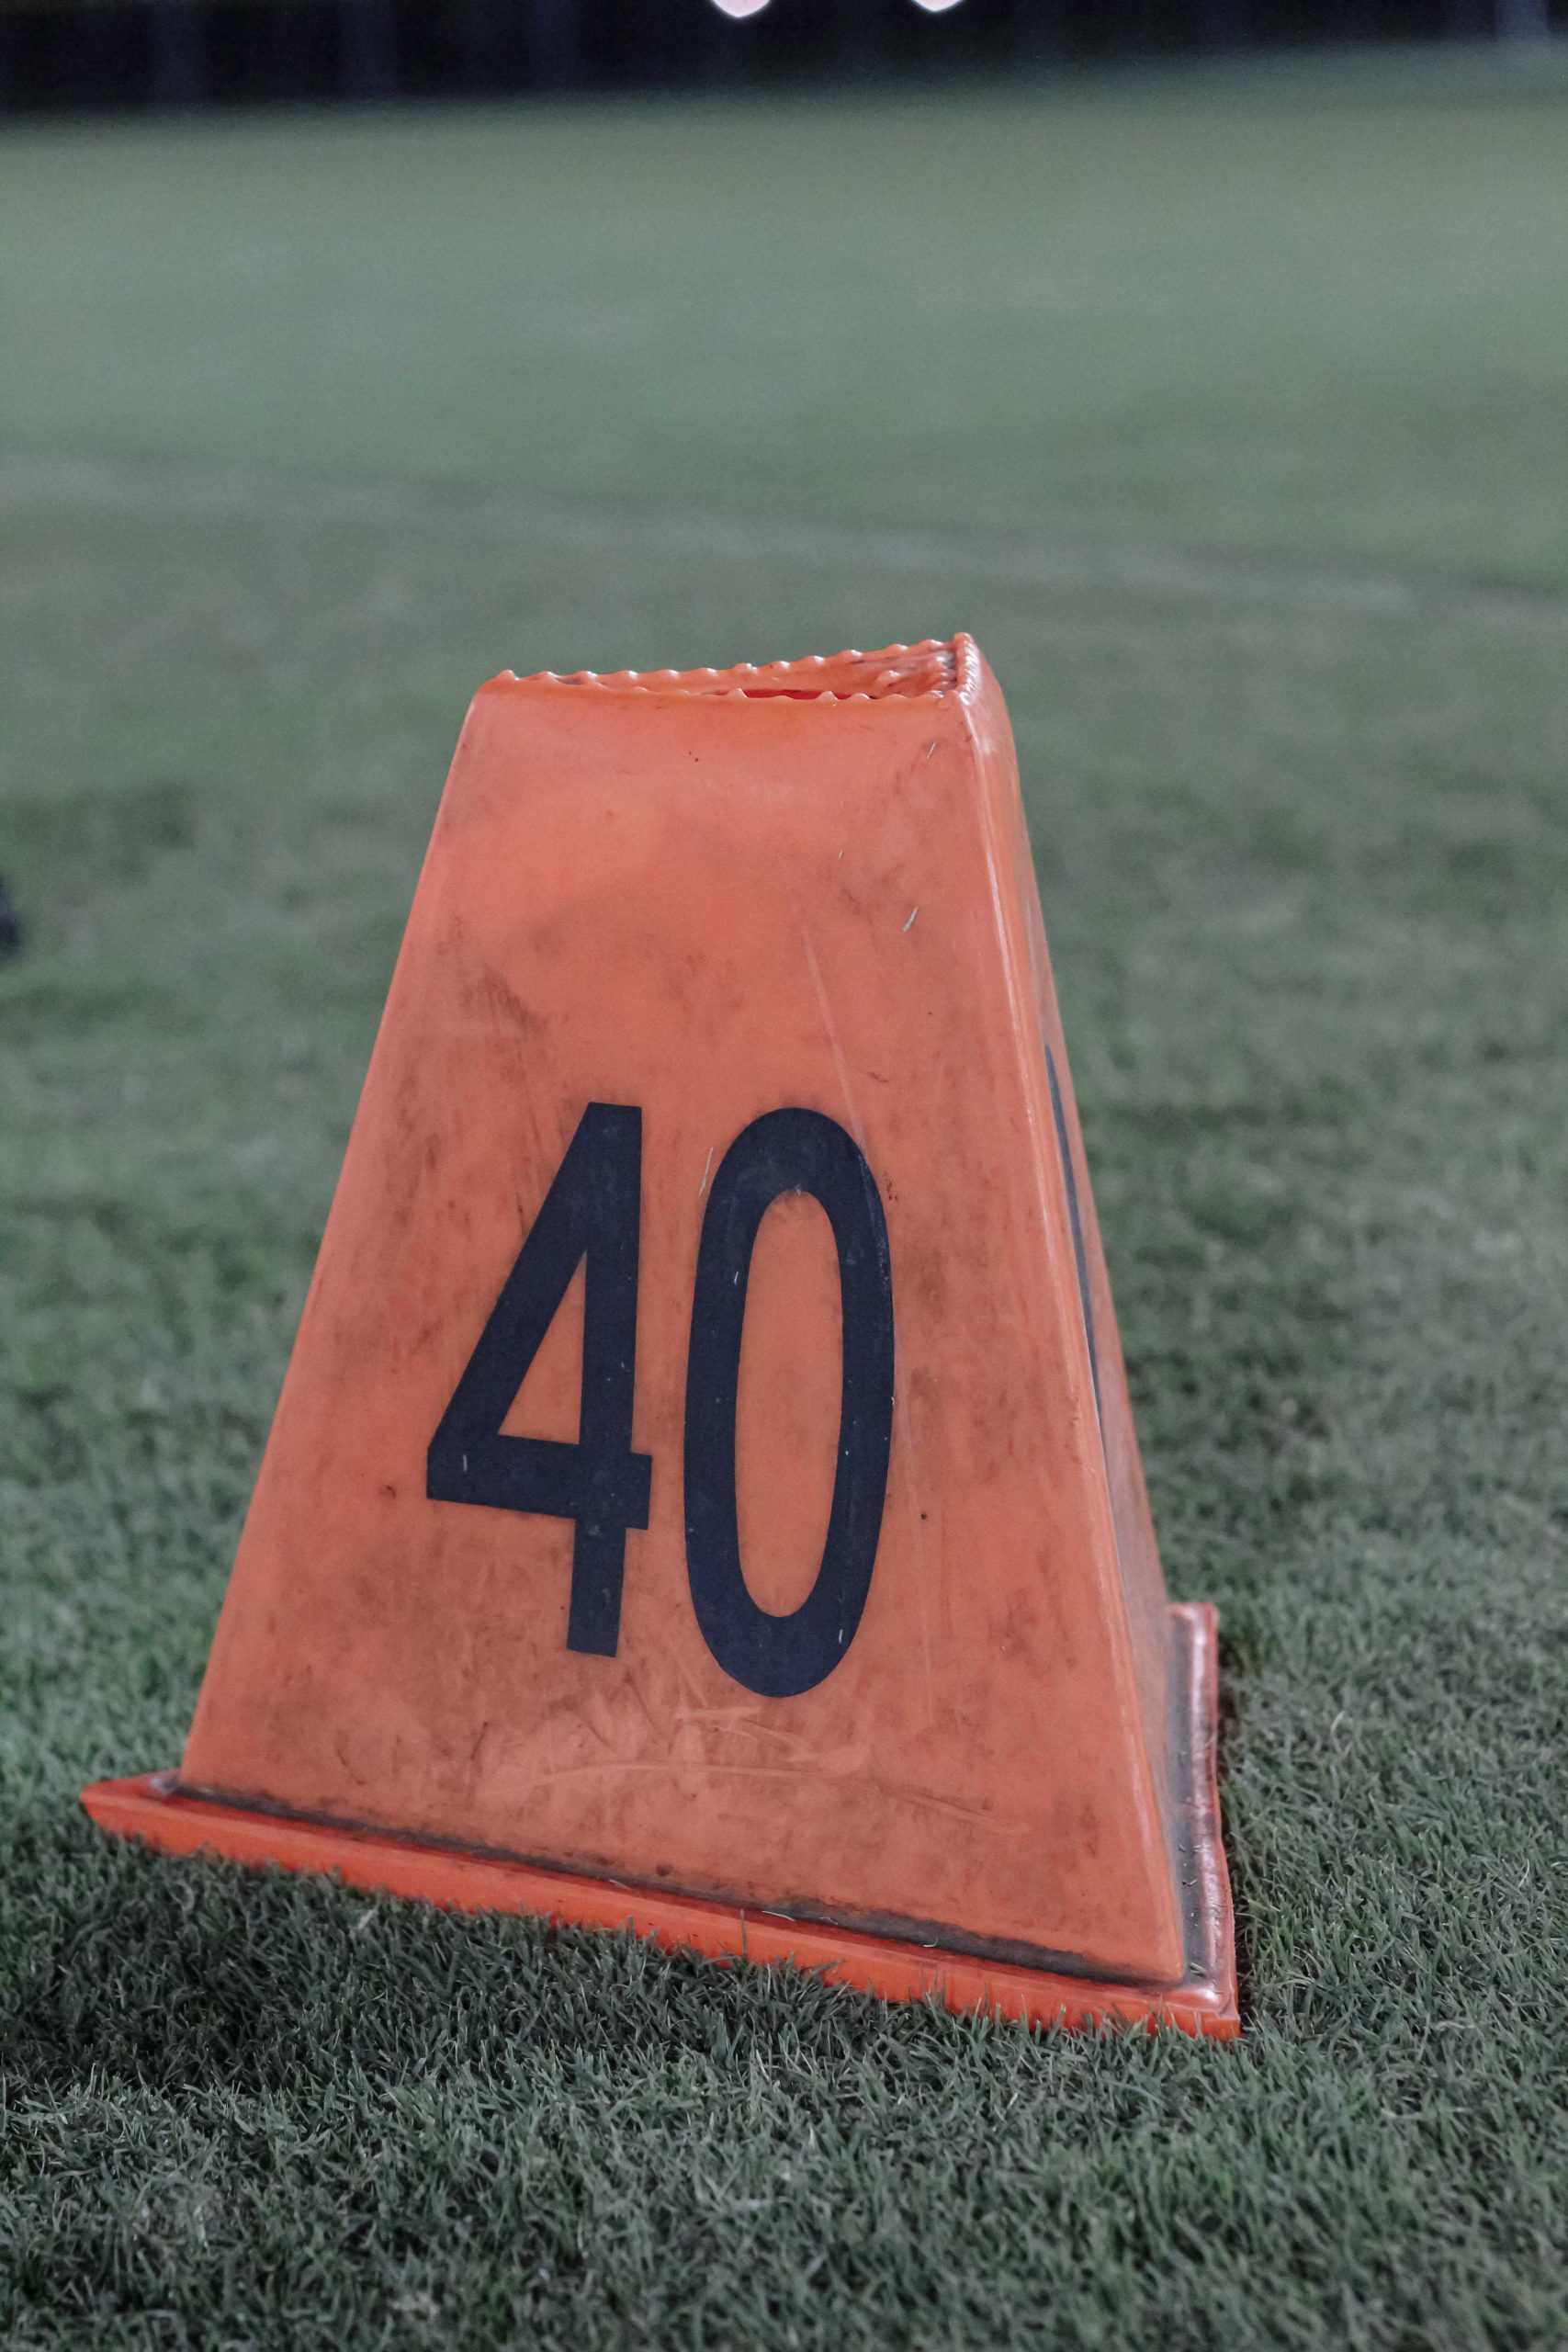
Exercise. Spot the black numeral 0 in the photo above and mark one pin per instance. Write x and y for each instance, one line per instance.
(787, 1151)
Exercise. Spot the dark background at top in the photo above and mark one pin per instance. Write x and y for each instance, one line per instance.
(105, 53)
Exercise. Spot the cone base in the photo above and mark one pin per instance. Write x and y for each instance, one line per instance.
(151, 1807)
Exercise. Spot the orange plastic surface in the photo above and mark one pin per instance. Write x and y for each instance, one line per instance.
(153, 1808)
(710, 897)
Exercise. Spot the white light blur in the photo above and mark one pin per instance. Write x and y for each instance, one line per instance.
(935, 7)
(749, 8)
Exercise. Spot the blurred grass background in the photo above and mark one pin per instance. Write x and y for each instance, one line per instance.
(1227, 409)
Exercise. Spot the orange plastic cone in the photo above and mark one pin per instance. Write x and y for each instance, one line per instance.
(703, 1495)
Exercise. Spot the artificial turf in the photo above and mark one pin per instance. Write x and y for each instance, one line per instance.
(1228, 410)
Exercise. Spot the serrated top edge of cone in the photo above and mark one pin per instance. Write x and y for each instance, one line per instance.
(929, 670)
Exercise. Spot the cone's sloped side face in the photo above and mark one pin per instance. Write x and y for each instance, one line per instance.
(690, 1470)
(1143, 1581)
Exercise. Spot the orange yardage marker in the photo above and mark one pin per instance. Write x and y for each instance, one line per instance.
(704, 1495)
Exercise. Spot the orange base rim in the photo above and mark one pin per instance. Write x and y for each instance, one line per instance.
(153, 1808)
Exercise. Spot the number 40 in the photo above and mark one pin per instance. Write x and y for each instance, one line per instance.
(593, 1212)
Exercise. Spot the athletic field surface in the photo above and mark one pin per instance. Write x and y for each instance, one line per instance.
(1228, 410)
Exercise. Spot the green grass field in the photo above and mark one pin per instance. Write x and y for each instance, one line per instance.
(1229, 413)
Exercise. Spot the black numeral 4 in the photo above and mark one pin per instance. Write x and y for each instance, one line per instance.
(592, 1211)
